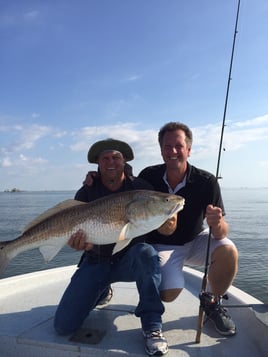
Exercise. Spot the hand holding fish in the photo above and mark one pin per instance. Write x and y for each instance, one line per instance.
(169, 226)
(77, 241)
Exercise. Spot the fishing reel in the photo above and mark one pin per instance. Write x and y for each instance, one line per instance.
(206, 299)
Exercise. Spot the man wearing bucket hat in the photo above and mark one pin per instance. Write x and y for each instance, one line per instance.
(109, 145)
(98, 263)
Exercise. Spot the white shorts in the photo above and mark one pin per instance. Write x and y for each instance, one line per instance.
(174, 257)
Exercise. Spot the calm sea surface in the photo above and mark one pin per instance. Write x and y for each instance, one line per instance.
(247, 214)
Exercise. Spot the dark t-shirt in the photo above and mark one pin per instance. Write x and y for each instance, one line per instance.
(97, 190)
(200, 190)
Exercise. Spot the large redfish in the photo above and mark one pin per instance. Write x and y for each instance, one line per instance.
(116, 218)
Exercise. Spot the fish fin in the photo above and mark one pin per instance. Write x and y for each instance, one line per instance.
(53, 210)
(4, 260)
(122, 239)
(49, 251)
(124, 232)
(121, 245)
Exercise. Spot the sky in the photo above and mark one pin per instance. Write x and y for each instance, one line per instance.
(74, 72)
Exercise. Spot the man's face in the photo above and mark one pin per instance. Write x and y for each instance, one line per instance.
(111, 164)
(174, 149)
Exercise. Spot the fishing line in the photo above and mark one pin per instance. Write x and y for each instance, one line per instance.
(204, 280)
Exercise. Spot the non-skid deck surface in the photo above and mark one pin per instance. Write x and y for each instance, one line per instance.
(28, 304)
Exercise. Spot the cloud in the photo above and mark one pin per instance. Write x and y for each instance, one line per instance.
(30, 135)
(18, 140)
(35, 115)
(144, 142)
(205, 144)
(129, 132)
(31, 15)
(26, 148)
(12, 19)
(5, 162)
(60, 134)
(31, 160)
(238, 138)
(263, 164)
(21, 160)
(235, 136)
(261, 120)
(132, 78)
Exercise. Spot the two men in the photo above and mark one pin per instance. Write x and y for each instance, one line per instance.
(188, 242)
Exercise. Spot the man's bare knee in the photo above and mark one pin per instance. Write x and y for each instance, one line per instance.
(170, 294)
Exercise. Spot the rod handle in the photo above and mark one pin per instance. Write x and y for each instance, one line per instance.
(199, 324)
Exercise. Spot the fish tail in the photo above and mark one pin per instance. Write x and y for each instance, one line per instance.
(4, 260)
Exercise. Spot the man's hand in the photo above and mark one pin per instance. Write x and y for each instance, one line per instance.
(213, 215)
(89, 178)
(78, 241)
(215, 220)
(169, 226)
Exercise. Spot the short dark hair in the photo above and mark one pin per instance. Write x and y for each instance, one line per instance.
(173, 126)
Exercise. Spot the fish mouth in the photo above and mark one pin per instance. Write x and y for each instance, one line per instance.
(177, 208)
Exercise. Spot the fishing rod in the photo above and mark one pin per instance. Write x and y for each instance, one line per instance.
(203, 294)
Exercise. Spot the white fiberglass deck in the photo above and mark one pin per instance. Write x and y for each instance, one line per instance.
(28, 303)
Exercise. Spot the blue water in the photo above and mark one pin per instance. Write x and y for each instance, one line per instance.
(247, 214)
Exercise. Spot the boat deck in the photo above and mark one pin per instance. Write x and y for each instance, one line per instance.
(28, 303)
